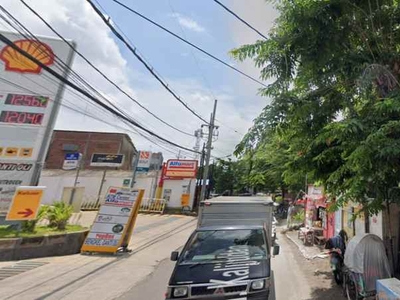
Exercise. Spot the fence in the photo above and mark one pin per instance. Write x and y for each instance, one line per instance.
(153, 205)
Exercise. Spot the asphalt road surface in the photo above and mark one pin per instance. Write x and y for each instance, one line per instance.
(289, 280)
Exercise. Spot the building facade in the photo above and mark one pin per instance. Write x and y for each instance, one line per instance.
(88, 143)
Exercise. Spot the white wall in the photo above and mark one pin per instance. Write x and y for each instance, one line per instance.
(176, 187)
(56, 180)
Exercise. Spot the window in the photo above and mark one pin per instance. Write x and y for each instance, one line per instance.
(215, 245)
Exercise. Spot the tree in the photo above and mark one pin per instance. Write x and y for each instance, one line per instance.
(335, 67)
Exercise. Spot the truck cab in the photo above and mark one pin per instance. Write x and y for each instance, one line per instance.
(229, 255)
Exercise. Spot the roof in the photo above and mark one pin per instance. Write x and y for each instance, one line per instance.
(229, 227)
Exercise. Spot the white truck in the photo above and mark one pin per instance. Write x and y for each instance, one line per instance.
(228, 255)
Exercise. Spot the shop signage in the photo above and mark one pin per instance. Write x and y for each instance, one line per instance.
(181, 168)
(107, 160)
(25, 203)
(143, 165)
(28, 109)
(115, 219)
(71, 161)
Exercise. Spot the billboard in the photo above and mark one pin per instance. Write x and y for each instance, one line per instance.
(113, 220)
(177, 168)
(107, 160)
(143, 165)
(29, 104)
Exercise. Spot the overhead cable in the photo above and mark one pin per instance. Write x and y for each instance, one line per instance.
(187, 42)
(5, 40)
(240, 19)
(147, 66)
(100, 72)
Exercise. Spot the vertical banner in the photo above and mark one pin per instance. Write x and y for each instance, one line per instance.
(114, 221)
(143, 165)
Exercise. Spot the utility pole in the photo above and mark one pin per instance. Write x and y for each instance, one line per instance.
(211, 126)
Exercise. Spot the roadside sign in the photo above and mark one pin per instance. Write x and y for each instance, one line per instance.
(27, 111)
(25, 203)
(181, 168)
(71, 161)
(143, 165)
(126, 182)
(114, 221)
(107, 160)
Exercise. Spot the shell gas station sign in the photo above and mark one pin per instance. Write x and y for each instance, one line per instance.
(29, 104)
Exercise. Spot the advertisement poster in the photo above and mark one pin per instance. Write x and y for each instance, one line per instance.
(113, 220)
(28, 109)
(143, 165)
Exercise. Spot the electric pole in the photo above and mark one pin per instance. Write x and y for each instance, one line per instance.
(211, 126)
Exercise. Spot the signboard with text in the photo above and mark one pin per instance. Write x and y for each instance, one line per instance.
(25, 204)
(176, 168)
(71, 161)
(143, 165)
(113, 220)
(27, 108)
(107, 160)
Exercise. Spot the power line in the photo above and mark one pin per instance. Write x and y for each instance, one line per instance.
(239, 18)
(99, 71)
(189, 43)
(94, 99)
(133, 130)
(147, 66)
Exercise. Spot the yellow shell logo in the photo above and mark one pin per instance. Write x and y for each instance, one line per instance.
(16, 62)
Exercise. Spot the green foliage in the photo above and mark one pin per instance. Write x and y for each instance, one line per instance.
(335, 111)
(299, 216)
(30, 226)
(58, 214)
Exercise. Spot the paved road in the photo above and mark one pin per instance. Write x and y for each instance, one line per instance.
(101, 277)
(289, 280)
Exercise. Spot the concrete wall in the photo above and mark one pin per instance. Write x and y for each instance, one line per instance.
(176, 187)
(56, 180)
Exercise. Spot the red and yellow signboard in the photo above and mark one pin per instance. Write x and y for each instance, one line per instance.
(25, 204)
(16, 62)
(176, 168)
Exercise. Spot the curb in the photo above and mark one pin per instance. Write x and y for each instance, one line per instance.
(303, 252)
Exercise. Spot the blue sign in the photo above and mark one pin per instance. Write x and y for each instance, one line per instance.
(71, 161)
(72, 156)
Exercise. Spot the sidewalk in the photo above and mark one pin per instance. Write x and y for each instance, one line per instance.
(309, 252)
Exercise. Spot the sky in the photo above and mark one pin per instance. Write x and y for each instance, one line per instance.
(196, 78)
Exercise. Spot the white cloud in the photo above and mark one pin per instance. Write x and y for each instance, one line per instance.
(189, 23)
(75, 20)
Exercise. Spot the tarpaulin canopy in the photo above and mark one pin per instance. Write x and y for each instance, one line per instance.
(366, 255)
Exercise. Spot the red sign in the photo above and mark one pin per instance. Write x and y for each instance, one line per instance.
(181, 168)
(21, 117)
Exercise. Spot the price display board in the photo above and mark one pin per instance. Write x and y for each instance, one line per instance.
(29, 105)
(115, 219)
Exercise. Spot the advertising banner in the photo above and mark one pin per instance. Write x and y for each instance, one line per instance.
(181, 168)
(71, 161)
(143, 165)
(107, 160)
(28, 108)
(114, 220)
